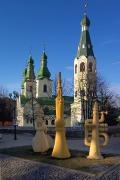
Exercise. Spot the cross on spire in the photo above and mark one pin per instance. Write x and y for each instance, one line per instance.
(44, 47)
(30, 51)
(85, 6)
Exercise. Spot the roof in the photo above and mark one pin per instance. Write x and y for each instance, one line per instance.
(28, 73)
(85, 21)
(85, 46)
(44, 71)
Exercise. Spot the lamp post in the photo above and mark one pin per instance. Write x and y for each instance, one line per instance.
(13, 96)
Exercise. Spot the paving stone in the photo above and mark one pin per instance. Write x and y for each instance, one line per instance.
(19, 169)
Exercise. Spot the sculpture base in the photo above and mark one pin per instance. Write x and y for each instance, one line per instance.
(95, 157)
(60, 149)
(40, 142)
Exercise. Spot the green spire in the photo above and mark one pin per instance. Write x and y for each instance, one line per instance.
(43, 71)
(30, 75)
(24, 77)
(85, 45)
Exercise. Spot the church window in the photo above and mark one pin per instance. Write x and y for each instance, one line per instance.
(90, 67)
(82, 67)
(46, 122)
(30, 88)
(46, 111)
(83, 46)
(53, 122)
(45, 88)
(82, 93)
(75, 93)
(75, 68)
(91, 93)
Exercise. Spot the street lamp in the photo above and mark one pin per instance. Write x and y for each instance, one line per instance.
(13, 96)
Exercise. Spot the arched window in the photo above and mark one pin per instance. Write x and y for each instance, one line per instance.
(53, 122)
(82, 93)
(90, 67)
(75, 93)
(82, 67)
(45, 88)
(75, 68)
(46, 122)
(91, 93)
(30, 89)
(46, 111)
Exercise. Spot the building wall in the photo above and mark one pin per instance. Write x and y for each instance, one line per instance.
(24, 115)
(40, 88)
(29, 89)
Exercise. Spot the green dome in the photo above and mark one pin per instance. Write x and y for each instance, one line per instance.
(44, 56)
(85, 21)
(24, 77)
(22, 85)
(31, 61)
(85, 46)
(24, 73)
(43, 71)
(29, 72)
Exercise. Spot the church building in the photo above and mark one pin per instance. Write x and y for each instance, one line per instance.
(36, 96)
(37, 90)
(32, 89)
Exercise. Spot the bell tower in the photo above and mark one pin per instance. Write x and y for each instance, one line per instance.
(29, 84)
(84, 76)
(44, 83)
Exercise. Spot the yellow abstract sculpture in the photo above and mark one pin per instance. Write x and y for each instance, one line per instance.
(60, 149)
(94, 129)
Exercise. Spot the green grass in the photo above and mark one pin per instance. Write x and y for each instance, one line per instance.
(77, 161)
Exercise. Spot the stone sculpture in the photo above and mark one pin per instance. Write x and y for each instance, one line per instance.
(42, 141)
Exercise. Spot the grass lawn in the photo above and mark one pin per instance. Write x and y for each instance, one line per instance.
(77, 161)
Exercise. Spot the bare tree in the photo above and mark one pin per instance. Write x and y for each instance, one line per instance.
(67, 87)
(54, 86)
(104, 94)
(3, 92)
(117, 100)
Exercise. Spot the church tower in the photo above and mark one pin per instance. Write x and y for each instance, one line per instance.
(84, 77)
(44, 83)
(29, 84)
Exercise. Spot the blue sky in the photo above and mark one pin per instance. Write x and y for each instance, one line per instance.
(29, 24)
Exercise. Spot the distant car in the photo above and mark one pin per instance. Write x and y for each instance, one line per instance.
(0, 136)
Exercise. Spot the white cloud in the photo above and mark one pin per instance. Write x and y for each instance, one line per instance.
(112, 41)
(70, 68)
(117, 62)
